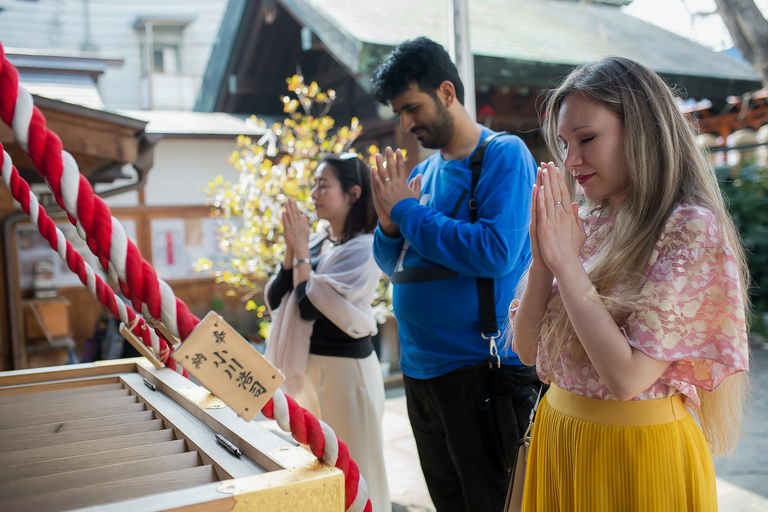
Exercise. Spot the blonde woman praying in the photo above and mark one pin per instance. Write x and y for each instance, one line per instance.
(635, 313)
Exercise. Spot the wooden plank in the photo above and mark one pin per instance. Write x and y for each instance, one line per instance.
(191, 211)
(95, 387)
(34, 402)
(46, 318)
(91, 460)
(197, 435)
(316, 487)
(203, 498)
(82, 435)
(41, 354)
(24, 388)
(95, 446)
(64, 427)
(86, 405)
(84, 312)
(247, 436)
(103, 144)
(63, 375)
(66, 120)
(102, 475)
(7, 206)
(8, 421)
(111, 492)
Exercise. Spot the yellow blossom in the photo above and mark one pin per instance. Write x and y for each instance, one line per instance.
(249, 238)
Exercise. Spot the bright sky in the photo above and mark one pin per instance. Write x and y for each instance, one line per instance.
(681, 16)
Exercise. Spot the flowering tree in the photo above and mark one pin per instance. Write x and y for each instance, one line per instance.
(277, 166)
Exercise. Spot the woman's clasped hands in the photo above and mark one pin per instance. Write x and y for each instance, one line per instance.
(556, 230)
(295, 229)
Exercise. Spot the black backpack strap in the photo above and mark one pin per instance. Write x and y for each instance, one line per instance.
(476, 166)
(485, 285)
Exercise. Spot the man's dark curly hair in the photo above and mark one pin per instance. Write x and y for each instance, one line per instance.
(418, 60)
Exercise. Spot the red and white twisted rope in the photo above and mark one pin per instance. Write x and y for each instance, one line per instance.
(103, 233)
(75, 262)
(106, 238)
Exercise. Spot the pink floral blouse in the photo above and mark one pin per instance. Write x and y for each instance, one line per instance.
(690, 312)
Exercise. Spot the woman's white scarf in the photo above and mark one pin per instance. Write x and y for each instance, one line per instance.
(342, 289)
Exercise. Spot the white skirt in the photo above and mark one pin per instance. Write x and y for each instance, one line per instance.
(348, 394)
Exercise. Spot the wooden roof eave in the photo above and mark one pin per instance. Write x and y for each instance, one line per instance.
(495, 70)
(97, 139)
(342, 46)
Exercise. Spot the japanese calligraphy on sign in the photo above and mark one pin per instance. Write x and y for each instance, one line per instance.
(226, 364)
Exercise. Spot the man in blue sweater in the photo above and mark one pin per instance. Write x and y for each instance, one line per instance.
(466, 412)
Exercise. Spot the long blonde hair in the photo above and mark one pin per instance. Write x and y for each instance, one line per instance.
(666, 168)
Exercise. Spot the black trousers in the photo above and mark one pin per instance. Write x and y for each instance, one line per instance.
(467, 424)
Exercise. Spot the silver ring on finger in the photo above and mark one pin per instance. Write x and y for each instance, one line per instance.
(386, 179)
(558, 202)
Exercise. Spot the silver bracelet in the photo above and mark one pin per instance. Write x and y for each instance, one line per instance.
(296, 261)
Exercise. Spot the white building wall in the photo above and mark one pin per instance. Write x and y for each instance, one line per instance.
(60, 25)
(182, 168)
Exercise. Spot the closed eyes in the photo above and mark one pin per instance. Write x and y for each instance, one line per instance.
(586, 140)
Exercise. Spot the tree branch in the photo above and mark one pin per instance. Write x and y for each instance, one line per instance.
(749, 31)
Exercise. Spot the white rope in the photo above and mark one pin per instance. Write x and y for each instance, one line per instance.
(6, 170)
(280, 410)
(70, 186)
(362, 496)
(22, 115)
(168, 307)
(331, 449)
(61, 250)
(118, 249)
(70, 183)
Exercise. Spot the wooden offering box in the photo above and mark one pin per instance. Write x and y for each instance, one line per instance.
(124, 436)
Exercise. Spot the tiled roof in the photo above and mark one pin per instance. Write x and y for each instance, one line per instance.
(542, 31)
(522, 42)
(77, 89)
(179, 123)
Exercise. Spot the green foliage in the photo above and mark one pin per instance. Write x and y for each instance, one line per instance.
(382, 304)
(279, 165)
(217, 304)
(746, 189)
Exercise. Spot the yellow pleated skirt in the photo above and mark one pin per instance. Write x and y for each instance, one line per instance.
(590, 455)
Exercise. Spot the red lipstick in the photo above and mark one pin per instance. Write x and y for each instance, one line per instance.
(583, 179)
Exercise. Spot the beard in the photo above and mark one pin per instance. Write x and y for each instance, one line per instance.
(437, 132)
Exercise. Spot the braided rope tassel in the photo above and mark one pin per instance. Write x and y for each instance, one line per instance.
(75, 262)
(138, 281)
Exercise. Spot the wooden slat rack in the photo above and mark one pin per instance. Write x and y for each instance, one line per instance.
(123, 436)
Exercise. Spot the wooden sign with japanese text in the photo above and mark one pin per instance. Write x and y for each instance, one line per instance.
(228, 366)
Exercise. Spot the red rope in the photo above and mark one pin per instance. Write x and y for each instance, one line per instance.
(75, 262)
(141, 283)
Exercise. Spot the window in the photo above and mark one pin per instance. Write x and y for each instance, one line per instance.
(166, 58)
(166, 42)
